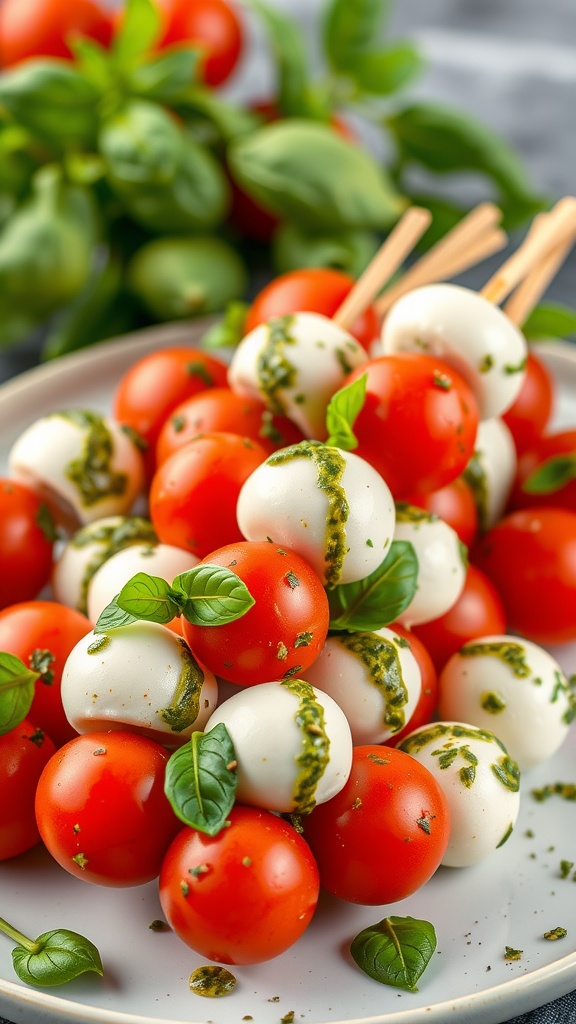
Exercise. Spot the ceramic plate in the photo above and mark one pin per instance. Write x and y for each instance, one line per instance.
(509, 900)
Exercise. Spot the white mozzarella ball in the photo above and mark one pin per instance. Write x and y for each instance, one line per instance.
(328, 505)
(83, 463)
(294, 364)
(462, 328)
(441, 563)
(375, 679)
(162, 560)
(491, 472)
(481, 783)
(88, 548)
(292, 743)
(141, 677)
(512, 687)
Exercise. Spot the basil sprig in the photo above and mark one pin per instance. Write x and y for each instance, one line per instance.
(343, 408)
(207, 595)
(201, 780)
(377, 599)
(54, 958)
(550, 320)
(395, 951)
(551, 475)
(16, 691)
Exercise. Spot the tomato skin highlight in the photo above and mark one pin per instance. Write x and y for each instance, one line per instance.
(212, 25)
(101, 809)
(40, 28)
(24, 751)
(385, 833)
(243, 896)
(25, 548)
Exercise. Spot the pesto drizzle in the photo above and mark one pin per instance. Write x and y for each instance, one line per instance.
(475, 477)
(92, 473)
(185, 705)
(315, 755)
(382, 662)
(110, 537)
(275, 371)
(511, 653)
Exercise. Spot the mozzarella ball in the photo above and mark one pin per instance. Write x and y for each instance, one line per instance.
(294, 364)
(441, 563)
(88, 548)
(84, 464)
(141, 677)
(464, 329)
(481, 783)
(292, 743)
(162, 560)
(375, 679)
(512, 687)
(328, 505)
(492, 470)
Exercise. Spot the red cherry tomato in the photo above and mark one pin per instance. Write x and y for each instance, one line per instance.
(385, 833)
(42, 634)
(244, 895)
(453, 503)
(43, 28)
(26, 543)
(221, 409)
(550, 451)
(529, 415)
(284, 630)
(24, 751)
(478, 612)
(418, 424)
(314, 290)
(530, 556)
(101, 809)
(193, 494)
(428, 700)
(212, 25)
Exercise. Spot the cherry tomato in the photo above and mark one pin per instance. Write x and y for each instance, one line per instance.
(453, 503)
(385, 833)
(193, 494)
(24, 751)
(428, 700)
(314, 290)
(101, 809)
(244, 895)
(478, 612)
(529, 415)
(530, 556)
(42, 634)
(212, 25)
(418, 424)
(221, 409)
(26, 543)
(155, 384)
(43, 28)
(284, 630)
(545, 452)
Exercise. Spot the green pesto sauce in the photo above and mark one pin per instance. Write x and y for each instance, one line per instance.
(506, 836)
(275, 371)
(438, 731)
(330, 465)
(475, 477)
(110, 538)
(382, 662)
(512, 654)
(487, 363)
(185, 706)
(492, 702)
(315, 755)
(507, 772)
(212, 981)
(91, 473)
(98, 644)
(406, 513)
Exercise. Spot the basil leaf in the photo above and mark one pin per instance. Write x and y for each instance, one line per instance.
(112, 617)
(16, 691)
(350, 250)
(550, 320)
(61, 955)
(166, 77)
(396, 951)
(230, 329)
(201, 780)
(383, 72)
(552, 475)
(93, 61)
(379, 598)
(350, 29)
(290, 60)
(53, 100)
(150, 598)
(304, 171)
(341, 413)
(138, 32)
(212, 595)
(228, 120)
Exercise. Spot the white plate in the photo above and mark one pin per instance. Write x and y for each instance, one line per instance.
(509, 900)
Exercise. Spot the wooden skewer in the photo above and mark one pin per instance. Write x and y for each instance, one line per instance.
(392, 253)
(530, 290)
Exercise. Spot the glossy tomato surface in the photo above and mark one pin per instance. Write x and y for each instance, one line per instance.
(43, 28)
(454, 503)
(214, 26)
(529, 415)
(552, 459)
(24, 751)
(26, 542)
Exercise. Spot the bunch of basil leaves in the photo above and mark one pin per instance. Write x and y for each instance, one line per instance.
(117, 172)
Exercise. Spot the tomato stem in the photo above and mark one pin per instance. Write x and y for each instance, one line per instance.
(22, 940)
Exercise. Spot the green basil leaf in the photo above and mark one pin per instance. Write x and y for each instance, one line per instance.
(138, 32)
(379, 598)
(550, 320)
(53, 100)
(93, 61)
(383, 72)
(164, 78)
(341, 413)
(80, 323)
(350, 29)
(150, 598)
(226, 119)
(16, 691)
(212, 595)
(294, 247)
(201, 780)
(292, 92)
(61, 955)
(304, 171)
(552, 475)
(141, 146)
(229, 330)
(395, 951)
(112, 617)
